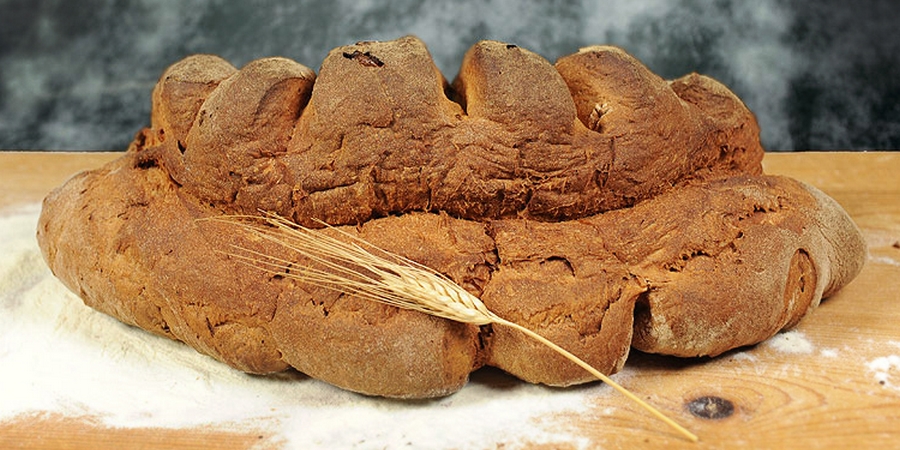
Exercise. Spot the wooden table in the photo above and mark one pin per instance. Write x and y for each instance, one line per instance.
(825, 397)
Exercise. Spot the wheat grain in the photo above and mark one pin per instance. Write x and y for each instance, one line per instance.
(364, 270)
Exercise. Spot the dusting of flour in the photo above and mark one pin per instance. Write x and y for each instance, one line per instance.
(793, 342)
(59, 356)
(883, 368)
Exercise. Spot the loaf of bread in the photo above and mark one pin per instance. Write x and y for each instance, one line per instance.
(590, 201)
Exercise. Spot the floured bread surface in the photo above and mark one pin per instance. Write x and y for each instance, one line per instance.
(590, 201)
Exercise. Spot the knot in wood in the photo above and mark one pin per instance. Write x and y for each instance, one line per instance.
(711, 407)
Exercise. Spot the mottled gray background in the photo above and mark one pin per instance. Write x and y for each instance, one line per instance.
(77, 74)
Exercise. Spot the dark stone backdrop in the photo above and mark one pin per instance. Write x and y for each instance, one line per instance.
(77, 75)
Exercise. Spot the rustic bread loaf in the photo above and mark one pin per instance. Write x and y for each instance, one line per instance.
(590, 201)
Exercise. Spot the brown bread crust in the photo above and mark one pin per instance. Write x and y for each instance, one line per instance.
(589, 200)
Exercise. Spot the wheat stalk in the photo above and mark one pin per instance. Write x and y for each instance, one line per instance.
(364, 270)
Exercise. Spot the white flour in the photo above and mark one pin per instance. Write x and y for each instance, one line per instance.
(57, 355)
(884, 260)
(884, 368)
(790, 342)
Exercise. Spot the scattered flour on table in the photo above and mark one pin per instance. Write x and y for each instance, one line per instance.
(885, 368)
(884, 260)
(793, 342)
(743, 356)
(59, 356)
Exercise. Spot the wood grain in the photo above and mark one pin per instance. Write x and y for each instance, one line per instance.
(821, 396)
(27, 177)
(53, 431)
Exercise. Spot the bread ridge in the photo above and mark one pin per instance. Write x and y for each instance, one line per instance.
(364, 140)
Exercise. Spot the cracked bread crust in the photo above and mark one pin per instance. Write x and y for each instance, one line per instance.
(591, 201)
(363, 140)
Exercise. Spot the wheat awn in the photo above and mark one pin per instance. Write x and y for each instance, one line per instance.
(364, 270)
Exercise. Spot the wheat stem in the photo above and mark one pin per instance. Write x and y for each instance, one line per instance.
(354, 268)
(600, 376)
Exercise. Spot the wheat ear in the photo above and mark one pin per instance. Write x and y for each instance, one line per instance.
(359, 268)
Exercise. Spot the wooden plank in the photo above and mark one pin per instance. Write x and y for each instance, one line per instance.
(27, 177)
(821, 394)
(53, 431)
